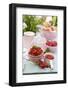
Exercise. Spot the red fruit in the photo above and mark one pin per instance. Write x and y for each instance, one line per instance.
(55, 43)
(51, 43)
(49, 57)
(35, 51)
(43, 64)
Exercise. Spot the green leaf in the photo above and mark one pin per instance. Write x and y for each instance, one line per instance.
(47, 50)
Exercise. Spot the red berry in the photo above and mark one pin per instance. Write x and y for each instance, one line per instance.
(43, 64)
(35, 51)
(49, 57)
(51, 43)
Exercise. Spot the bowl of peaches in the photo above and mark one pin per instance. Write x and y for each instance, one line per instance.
(49, 32)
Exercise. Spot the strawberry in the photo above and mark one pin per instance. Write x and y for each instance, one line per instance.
(55, 43)
(43, 64)
(51, 43)
(35, 51)
(49, 57)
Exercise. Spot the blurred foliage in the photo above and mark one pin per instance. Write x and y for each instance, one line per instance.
(31, 22)
(54, 20)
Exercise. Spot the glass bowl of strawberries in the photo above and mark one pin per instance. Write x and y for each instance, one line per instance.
(49, 58)
(52, 45)
(35, 54)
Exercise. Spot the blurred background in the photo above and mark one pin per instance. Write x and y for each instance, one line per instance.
(33, 23)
